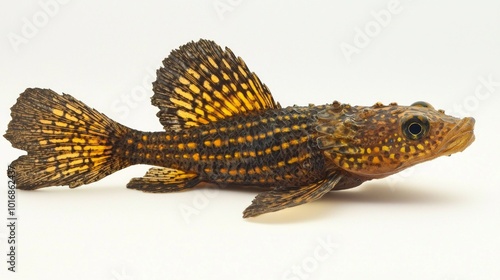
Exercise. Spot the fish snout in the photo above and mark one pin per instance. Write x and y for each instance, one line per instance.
(460, 137)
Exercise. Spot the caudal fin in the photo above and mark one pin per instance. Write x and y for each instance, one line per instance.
(68, 143)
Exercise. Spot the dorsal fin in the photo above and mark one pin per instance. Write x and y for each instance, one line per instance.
(201, 83)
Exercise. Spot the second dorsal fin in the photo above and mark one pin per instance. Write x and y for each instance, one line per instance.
(200, 83)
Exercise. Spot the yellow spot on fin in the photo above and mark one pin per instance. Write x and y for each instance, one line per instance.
(200, 83)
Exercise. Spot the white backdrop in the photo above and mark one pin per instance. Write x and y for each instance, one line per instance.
(439, 220)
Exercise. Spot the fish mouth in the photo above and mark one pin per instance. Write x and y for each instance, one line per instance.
(459, 138)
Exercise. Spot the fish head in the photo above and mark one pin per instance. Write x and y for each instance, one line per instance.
(377, 141)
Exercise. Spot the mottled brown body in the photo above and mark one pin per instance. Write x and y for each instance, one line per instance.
(223, 126)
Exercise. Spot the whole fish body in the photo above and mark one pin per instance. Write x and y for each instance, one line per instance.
(223, 126)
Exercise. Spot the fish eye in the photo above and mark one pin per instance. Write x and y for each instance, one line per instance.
(415, 127)
(422, 104)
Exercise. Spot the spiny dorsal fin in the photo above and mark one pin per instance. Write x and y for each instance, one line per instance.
(201, 83)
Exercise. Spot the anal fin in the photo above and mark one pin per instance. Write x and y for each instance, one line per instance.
(159, 179)
(281, 198)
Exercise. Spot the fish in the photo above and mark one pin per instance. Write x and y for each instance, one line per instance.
(222, 126)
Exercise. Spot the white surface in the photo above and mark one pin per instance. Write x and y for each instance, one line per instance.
(440, 220)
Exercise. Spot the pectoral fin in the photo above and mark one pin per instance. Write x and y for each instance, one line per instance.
(159, 179)
(281, 198)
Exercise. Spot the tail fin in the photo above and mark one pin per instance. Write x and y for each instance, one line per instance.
(68, 143)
